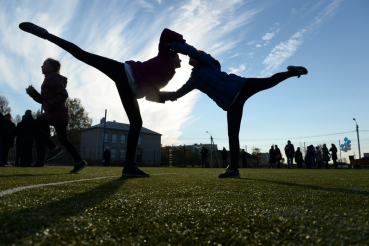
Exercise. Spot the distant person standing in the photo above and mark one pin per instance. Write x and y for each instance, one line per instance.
(272, 157)
(278, 156)
(41, 145)
(224, 157)
(325, 156)
(27, 139)
(8, 137)
(333, 149)
(298, 158)
(318, 157)
(290, 153)
(18, 147)
(107, 157)
(243, 158)
(309, 157)
(204, 153)
(2, 126)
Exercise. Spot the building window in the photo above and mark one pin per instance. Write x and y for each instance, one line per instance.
(113, 152)
(106, 138)
(139, 141)
(122, 154)
(114, 138)
(122, 139)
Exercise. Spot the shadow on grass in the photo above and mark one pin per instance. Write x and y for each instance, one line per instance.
(314, 187)
(18, 225)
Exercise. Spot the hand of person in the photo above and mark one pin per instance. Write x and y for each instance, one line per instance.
(30, 89)
(154, 96)
(167, 95)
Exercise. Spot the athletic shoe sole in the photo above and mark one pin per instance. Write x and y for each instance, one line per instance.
(33, 29)
(301, 70)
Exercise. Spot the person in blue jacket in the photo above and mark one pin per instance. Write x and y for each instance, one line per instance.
(229, 92)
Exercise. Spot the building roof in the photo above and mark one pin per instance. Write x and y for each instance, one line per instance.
(112, 125)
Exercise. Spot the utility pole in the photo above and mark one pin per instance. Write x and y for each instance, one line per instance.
(358, 140)
(103, 141)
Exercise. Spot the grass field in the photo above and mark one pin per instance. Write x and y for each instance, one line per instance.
(184, 206)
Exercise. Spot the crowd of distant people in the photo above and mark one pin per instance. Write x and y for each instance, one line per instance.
(20, 137)
(314, 157)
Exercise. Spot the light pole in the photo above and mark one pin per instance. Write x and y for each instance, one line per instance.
(358, 140)
(211, 150)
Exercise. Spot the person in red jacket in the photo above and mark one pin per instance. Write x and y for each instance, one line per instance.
(53, 98)
(134, 80)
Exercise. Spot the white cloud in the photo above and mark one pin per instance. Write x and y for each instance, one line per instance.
(130, 33)
(286, 49)
(146, 5)
(240, 68)
(268, 36)
(258, 46)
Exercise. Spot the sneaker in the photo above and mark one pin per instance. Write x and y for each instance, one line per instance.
(134, 172)
(79, 166)
(53, 153)
(300, 70)
(35, 30)
(230, 173)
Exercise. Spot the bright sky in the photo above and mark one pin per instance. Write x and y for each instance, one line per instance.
(249, 38)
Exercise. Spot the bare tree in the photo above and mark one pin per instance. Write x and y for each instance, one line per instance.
(4, 103)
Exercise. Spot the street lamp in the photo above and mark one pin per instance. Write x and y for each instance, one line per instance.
(358, 140)
(211, 150)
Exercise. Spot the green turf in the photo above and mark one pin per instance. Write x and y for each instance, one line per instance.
(185, 206)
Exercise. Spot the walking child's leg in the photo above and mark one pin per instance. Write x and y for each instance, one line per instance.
(36, 128)
(61, 132)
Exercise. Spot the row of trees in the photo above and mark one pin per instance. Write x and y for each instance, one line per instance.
(79, 118)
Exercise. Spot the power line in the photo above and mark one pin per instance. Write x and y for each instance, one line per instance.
(323, 135)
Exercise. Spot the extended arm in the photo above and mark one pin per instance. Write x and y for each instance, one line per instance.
(192, 52)
(172, 96)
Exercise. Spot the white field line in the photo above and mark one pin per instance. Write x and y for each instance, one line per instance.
(13, 190)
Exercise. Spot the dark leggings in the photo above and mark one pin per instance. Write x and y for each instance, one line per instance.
(234, 113)
(115, 71)
(41, 123)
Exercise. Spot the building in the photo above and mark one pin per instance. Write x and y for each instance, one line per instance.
(148, 149)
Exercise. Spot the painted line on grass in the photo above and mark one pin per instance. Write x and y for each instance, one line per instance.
(11, 191)
(163, 173)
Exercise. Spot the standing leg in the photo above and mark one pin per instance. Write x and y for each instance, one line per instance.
(234, 117)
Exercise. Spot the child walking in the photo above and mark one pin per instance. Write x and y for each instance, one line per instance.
(53, 98)
(134, 80)
(229, 92)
